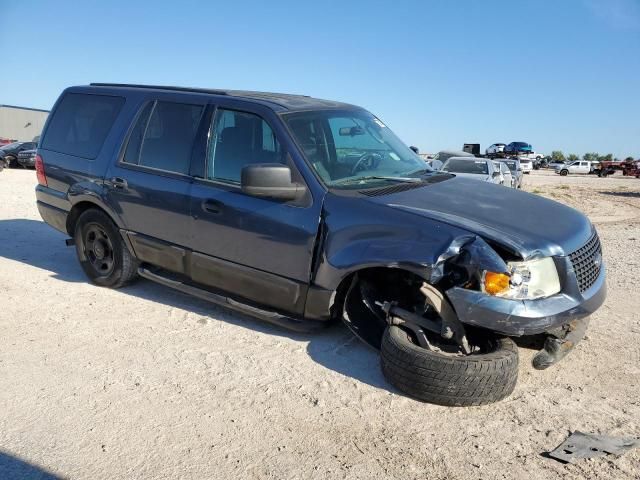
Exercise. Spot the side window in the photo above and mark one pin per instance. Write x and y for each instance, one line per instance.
(239, 139)
(163, 136)
(132, 153)
(81, 123)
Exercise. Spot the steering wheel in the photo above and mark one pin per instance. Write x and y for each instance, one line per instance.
(367, 161)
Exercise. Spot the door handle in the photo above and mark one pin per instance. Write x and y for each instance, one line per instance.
(119, 183)
(212, 206)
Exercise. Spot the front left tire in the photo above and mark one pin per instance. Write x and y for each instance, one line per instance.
(480, 378)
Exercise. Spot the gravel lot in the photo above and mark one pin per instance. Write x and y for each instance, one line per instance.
(145, 382)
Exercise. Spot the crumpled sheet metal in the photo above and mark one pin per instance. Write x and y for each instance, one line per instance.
(475, 255)
(586, 445)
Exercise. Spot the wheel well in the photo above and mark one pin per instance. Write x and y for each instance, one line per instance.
(379, 276)
(77, 210)
(358, 305)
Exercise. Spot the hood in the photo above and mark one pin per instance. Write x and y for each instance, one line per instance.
(524, 223)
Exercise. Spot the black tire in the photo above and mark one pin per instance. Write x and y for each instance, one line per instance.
(11, 162)
(564, 173)
(460, 381)
(95, 233)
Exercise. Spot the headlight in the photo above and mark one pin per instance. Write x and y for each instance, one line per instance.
(526, 280)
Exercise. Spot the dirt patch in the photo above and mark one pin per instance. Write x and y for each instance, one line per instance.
(144, 382)
(605, 200)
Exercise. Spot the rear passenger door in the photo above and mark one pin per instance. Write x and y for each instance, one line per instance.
(258, 249)
(149, 187)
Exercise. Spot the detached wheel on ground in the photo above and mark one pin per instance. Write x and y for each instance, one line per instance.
(485, 376)
(101, 251)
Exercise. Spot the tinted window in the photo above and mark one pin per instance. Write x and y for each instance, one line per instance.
(167, 137)
(132, 153)
(81, 123)
(240, 139)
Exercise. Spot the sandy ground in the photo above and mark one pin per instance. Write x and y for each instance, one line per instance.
(145, 382)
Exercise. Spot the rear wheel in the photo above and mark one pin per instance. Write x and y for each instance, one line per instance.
(101, 251)
(445, 376)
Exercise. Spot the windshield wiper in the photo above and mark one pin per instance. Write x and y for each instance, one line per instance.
(377, 177)
(421, 171)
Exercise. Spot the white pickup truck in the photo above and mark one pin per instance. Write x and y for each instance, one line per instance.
(579, 166)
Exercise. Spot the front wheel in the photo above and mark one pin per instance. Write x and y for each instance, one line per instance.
(445, 377)
(564, 173)
(104, 257)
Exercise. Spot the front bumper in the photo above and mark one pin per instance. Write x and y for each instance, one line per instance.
(27, 162)
(529, 317)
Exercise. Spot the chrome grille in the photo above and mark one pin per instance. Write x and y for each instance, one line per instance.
(587, 262)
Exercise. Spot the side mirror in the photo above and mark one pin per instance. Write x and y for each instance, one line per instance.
(415, 149)
(269, 180)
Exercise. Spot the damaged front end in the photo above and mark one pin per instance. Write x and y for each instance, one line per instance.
(454, 302)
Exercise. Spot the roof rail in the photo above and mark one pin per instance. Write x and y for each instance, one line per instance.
(161, 87)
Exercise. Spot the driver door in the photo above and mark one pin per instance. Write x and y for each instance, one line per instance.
(258, 249)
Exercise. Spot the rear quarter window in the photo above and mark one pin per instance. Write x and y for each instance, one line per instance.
(80, 124)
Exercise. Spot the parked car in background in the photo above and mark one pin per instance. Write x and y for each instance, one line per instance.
(507, 177)
(445, 155)
(513, 164)
(540, 162)
(6, 141)
(526, 164)
(302, 211)
(495, 150)
(579, 166)
(516, 148)
(482, 169)
(9, 153)
(555, 164)
(27, 158)
(439, 158)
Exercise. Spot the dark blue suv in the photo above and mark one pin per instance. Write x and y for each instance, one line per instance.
(300, 211)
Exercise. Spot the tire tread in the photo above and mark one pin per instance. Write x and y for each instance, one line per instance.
(446, 380)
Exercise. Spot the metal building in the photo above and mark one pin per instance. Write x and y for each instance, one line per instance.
(21, 123)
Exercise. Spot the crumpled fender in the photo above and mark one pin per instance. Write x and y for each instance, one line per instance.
(423, 247)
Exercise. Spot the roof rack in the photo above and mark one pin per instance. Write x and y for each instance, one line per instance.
(161, 87)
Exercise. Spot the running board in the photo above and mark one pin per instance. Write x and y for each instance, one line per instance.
(301, 326)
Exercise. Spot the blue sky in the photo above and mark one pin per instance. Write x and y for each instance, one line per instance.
(558, 74)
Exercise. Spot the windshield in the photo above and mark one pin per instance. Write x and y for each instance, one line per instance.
(478, 167)
(353, 148)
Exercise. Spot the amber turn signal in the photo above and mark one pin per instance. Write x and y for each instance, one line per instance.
(496, 283)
